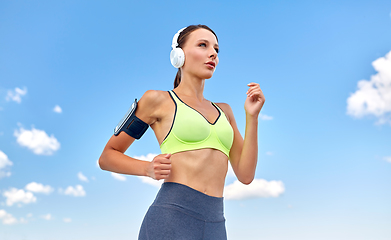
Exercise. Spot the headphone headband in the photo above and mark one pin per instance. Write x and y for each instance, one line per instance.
(175, 38)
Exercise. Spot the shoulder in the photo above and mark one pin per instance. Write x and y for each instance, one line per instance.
(226, 109)
(154, 98)
(154, 95)
(154, 105)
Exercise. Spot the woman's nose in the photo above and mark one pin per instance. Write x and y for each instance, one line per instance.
(213, 54)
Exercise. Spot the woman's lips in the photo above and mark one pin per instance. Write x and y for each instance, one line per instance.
(211, 65)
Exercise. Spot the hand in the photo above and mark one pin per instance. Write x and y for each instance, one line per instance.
(255, 99)
(160, 167)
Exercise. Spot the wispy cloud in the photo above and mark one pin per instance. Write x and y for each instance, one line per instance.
(265, 117)
(16, 95)
(7, 218)
(77, 191)
(37, 141)
(230, 172)
(47, 217)
(373, 97)
(388, 159)
(67, 220)
(149, 157)
(259, 188)
(38, 188)
(57, 109)
(151, 181)
(118, 177)
(4, 164)
(20, 196)
(82, 177)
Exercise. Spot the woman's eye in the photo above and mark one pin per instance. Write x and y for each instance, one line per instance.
(217, 50)
(202, 45)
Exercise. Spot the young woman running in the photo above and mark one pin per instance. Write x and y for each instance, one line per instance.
(197, 139)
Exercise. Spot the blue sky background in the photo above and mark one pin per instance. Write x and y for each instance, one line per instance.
(324, 171)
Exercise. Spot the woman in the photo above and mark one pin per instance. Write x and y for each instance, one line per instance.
(197, 138)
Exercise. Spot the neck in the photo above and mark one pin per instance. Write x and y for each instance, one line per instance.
(191, 86)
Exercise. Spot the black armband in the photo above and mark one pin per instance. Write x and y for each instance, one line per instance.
(131, 124)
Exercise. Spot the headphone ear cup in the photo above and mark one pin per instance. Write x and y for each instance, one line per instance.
(177, 57)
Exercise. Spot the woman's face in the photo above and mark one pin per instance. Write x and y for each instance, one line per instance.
(201, 50)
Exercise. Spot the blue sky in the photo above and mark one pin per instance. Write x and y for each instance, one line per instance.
(69, 70)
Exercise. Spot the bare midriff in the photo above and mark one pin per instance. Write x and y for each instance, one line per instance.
(203, 170)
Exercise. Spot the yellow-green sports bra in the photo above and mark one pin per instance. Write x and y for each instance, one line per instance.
(190, 130)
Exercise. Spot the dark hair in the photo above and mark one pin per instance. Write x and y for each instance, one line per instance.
(182, 38)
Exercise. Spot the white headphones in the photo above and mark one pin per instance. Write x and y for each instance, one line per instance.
(177, 56)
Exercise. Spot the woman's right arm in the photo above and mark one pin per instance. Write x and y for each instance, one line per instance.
(113, 158)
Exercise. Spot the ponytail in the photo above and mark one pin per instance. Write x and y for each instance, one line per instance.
(177, 78)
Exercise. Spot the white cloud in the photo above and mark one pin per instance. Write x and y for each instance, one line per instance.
(67, 220)
(230, 172)
(151, 181)
(7, 218)
(148, 158)
(388, 159)
(269, 153)
(82, 177)
(259, 188)
(119, 177)
(76, 191)
(265, 117)
(148, 180)
(57, 109)
(373, 97)
(18, 196)
(38, 188)
(37, 141)
(47, 217)
(4, 163)
(16, 95)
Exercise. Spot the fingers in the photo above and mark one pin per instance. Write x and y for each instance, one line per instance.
(252, 84)
(254, 91)
(253, 87)
(161, 166)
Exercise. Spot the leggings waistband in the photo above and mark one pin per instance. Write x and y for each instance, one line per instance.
(182, 197)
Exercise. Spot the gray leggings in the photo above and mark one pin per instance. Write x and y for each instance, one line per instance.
(180, 212)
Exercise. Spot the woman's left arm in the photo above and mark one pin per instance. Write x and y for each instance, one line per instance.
(244, 153)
